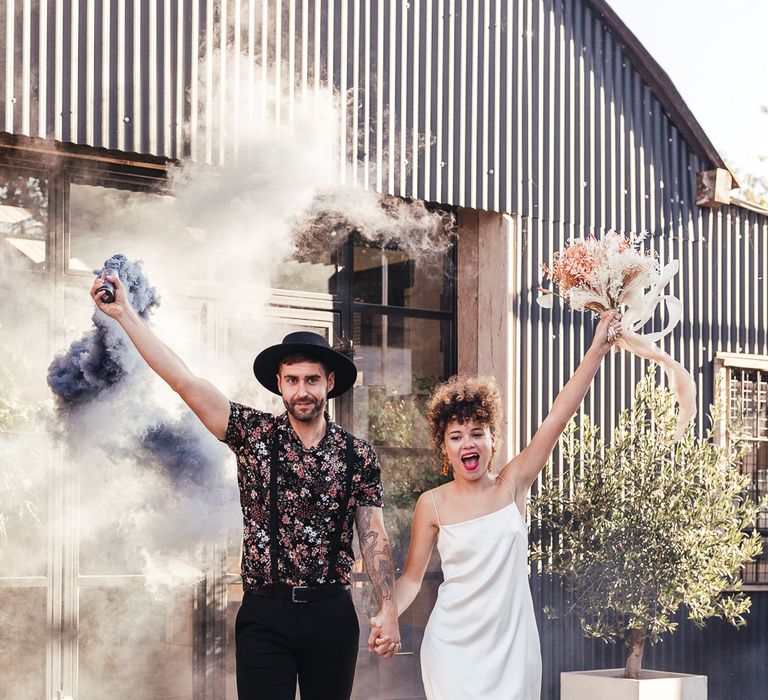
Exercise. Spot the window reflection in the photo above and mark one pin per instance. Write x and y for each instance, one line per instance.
(144, 226)
(23, 220)
(392, 278)
(300, 274)
(399, 360)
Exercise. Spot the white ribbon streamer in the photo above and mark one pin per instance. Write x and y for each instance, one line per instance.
(639, 308)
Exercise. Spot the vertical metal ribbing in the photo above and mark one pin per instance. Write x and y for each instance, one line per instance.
(392, 112)
(151, 109)
(207, 107)
(441, 58)
(553, 62)
(344, 90)
(332, 78)
(368, 82)
(264, 56)
(26, 67)
(472, 74)
(77, 107)
(278, 67)
(194, 53)
(633, 148)
(450, 146)
(526, 125)
(330, 43)
(401, 41)
(380, 97)
(291, 74)
(58, 70)
(484, 120)
(304, 48)
(139, 105)
(89, 116)
(218, 127)
(431, 24)
(166, 125)
(105, 117)
(703, 291)
(462, 86)
(513, 61)
(563, 110)
(414, 95)
(318, 81)
(609, 135)
(250, 102)
(498, 175)
(9, 65)
(42, 70)
(355, 148)
(121, 76)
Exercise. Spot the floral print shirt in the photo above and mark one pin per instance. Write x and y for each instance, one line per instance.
(310, 488)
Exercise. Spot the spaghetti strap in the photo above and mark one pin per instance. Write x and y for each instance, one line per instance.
(437, 515)
(508, 486)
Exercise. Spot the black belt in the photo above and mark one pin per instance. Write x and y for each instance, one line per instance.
(299, 594)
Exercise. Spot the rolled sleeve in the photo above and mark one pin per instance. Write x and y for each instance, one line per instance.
(244, 425)
(368, 492)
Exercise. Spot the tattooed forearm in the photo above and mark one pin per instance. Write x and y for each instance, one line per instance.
(377, 554)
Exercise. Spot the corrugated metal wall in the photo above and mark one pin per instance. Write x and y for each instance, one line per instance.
(724, 256)
(525, 106)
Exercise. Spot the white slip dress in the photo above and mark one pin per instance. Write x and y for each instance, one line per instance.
(481, 641)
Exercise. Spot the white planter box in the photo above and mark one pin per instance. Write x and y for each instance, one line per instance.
(608, 685)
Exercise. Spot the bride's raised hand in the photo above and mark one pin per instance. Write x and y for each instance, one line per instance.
(608, 331)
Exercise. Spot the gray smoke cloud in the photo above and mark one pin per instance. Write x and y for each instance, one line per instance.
(171, 486)
(153, 487)
(108, 418)
(104, 355)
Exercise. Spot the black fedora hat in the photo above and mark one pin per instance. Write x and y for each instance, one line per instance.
(267, 362)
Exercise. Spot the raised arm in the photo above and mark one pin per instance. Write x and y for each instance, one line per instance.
(377, 555)
(205, 400)
(525, 467)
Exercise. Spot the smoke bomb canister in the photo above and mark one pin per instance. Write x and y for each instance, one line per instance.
(107, 287)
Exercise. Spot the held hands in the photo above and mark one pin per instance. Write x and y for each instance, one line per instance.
(119, 306)
(608, 331)
(384, 639)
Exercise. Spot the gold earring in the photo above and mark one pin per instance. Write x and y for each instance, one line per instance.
(446, 468)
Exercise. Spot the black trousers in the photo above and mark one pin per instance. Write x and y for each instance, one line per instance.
(277, 641)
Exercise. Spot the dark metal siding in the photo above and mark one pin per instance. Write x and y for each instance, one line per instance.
(527, 106)
(723, 255)
(530, 107)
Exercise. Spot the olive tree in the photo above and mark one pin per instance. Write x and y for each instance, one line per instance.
(639, 528)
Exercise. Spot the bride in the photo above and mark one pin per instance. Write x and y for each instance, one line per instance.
(481, 641)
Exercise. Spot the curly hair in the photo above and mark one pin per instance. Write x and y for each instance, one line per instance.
(463, 398)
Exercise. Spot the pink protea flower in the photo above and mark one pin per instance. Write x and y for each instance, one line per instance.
(599, 273)
(573, 267)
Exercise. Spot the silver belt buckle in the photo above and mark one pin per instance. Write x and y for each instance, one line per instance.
(293, 593)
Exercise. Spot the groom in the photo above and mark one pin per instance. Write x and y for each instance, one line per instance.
(303, 482)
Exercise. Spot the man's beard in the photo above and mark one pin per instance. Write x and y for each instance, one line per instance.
(301, 413)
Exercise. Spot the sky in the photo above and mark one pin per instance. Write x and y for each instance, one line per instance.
(715, 53)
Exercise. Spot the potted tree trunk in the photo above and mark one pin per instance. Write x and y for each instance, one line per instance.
(639, 529)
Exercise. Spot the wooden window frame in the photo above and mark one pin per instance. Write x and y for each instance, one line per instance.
(725, 362)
